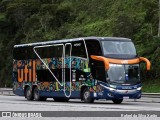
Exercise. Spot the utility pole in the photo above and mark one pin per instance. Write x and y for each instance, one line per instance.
(159, 19)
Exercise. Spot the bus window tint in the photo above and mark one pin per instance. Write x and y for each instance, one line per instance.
(58, 51)
(93, 47)
(23, 53)
(118, 47)
(50, 52)
(97, 67)
(67, 50)
(30, 53)
(20, 53)
(78, 49)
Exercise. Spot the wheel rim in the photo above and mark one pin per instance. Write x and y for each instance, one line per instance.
(28, 93)
(86, 95)
(36, 94)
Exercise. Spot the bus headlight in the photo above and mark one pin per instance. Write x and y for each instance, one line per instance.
(139, 88)
(111, 89)
(112, 86)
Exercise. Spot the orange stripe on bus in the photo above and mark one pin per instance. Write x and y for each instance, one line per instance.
(100, 58)
(20, 75)
(34, 71)
(148, 63)
(118, 61)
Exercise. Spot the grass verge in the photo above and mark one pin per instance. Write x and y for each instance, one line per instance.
(151, 87)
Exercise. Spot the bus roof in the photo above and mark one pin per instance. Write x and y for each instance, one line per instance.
(74, 39)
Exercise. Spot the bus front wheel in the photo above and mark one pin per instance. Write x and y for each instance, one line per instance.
(87, 97)
(28, 94)
(37, 96)
(117, 101)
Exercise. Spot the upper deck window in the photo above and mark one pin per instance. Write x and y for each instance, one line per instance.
(119, 49)
(24, 53)
(50, 51)
(93, 47)
(78, 49)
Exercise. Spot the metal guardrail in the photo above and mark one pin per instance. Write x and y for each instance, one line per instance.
(9, 91)
(6, 91)
(151, 95)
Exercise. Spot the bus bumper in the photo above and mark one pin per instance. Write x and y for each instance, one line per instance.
(118, 93)
(109, 95)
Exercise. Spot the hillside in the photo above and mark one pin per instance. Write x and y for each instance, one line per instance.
(25, 21)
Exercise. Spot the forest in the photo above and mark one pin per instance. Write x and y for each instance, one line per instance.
(26, 21)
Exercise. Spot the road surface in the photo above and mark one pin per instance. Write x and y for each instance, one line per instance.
(17, 103)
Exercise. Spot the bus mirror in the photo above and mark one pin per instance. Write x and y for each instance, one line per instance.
(148, 64)
(100, 58)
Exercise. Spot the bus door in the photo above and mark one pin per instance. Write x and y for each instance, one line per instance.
(67, 69)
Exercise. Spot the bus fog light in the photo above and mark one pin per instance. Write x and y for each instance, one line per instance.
(139, 88)
(110, 95)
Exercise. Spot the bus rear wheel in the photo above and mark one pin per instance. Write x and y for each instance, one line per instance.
(28, 94)
(37, 96)
(87, 97)
(117, 101)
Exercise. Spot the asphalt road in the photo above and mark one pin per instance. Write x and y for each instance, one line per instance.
(17, 103)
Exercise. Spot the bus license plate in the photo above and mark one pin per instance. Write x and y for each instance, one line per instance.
(126, 97)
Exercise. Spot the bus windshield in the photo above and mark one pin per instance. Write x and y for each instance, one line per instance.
(119, 49)
(123, 74)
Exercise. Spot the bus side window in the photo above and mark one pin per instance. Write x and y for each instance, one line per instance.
(97, 67)
(30, 53)
(67, 51)
(50, 52)
(19, 53)
(24, 53)
(42, 52)
(59, 51)
(93, 47)
(78, 49)
(44, 75)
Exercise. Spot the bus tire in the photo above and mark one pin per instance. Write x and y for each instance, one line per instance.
(37, 96)
(28, 94)
(117, 101)
(57, 99)
(87, 96)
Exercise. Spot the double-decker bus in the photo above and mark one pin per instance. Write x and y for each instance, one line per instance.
(88, 68)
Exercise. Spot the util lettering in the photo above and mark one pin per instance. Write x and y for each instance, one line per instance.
(27, 71)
